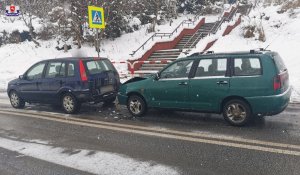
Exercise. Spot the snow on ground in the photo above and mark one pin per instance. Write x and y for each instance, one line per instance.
(10, 24)
(15, 59)
(285, 40)
(91, 161)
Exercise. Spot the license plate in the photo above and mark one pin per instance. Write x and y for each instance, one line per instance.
(105, 89)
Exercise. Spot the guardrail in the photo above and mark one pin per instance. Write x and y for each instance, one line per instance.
(161, 35)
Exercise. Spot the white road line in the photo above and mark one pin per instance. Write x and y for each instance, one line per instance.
(170, 136)
(192, 134)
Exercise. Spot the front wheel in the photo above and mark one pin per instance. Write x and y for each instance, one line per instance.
(16, 101)
(237, 112)
(70, 104)
(136, 105)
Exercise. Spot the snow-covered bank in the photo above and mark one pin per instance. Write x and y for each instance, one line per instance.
(15, 59)
(91, 161)
(282, 36)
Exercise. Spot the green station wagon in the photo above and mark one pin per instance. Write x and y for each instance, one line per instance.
(240, 85)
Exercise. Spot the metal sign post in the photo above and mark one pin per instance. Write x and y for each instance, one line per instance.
(96, 20)
(98, 42)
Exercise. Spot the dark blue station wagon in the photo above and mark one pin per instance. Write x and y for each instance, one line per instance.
(67, 82)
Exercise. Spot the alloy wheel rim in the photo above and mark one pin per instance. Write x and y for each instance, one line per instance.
(68, 103)
(236, 113)
(135, 106)
(14, 99)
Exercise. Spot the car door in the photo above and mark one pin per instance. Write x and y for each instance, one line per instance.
(210, 84)
(171, 89)
(54, 79)
(29, 86)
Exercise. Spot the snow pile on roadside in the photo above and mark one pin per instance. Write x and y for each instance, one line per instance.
(98, 162)
(282, 36)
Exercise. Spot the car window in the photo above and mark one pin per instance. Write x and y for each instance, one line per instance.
(98, 66)
(279, 62)
(55, 69)
(71, 68)
(36, 72)
(247, 67)
(211, 67)
(179, 69)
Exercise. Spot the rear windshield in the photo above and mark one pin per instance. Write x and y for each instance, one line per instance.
(98, 66)
(279, 62)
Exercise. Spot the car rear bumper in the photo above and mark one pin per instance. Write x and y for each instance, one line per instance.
(270, 105)
(88, 97)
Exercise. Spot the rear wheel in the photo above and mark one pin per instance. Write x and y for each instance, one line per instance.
(136, 105)
(70, 104)
(16, 101)
(237, 112)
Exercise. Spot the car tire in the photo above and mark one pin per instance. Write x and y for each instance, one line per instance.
(237, 112)
(16, 101)
(136, 105)
(70, 104)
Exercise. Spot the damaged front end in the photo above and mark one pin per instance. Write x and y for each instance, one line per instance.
(134, 85)
(135, 79)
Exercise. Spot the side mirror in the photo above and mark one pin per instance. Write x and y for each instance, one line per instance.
(21, 77)
(156, 76)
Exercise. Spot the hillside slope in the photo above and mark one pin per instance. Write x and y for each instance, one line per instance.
(282, 35)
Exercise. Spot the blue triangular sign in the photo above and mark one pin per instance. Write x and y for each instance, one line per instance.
(97, 18)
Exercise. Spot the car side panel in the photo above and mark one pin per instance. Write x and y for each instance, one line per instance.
(257, 85)
(205, 94)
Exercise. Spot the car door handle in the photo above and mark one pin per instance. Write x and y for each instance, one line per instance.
(183, 83)
(222, 82)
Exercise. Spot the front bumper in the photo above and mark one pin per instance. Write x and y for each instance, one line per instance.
(122, 99)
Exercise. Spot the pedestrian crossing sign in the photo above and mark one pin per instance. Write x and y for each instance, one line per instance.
(96, 17)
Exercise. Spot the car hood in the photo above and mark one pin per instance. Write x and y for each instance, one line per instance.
(13, 81)
(135, 79)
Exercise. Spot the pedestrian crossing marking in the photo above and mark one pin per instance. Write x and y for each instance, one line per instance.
(96, 17)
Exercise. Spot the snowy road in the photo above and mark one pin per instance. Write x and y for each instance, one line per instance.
(103, 140)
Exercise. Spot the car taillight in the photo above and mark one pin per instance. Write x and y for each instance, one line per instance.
(277, 82)
(83, 75)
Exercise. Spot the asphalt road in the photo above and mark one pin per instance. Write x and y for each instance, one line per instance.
(166, 141)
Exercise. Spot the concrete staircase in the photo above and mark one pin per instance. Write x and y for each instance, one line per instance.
(171, 55)
(190, 41)
(244, 9)
(187, 42)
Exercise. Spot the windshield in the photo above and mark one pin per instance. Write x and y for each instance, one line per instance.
(98, 66)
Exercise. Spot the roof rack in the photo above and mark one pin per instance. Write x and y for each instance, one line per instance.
(210, 52)
(258, 50)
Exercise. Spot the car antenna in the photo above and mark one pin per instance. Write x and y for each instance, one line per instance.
(273, 40)
(267, 46)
